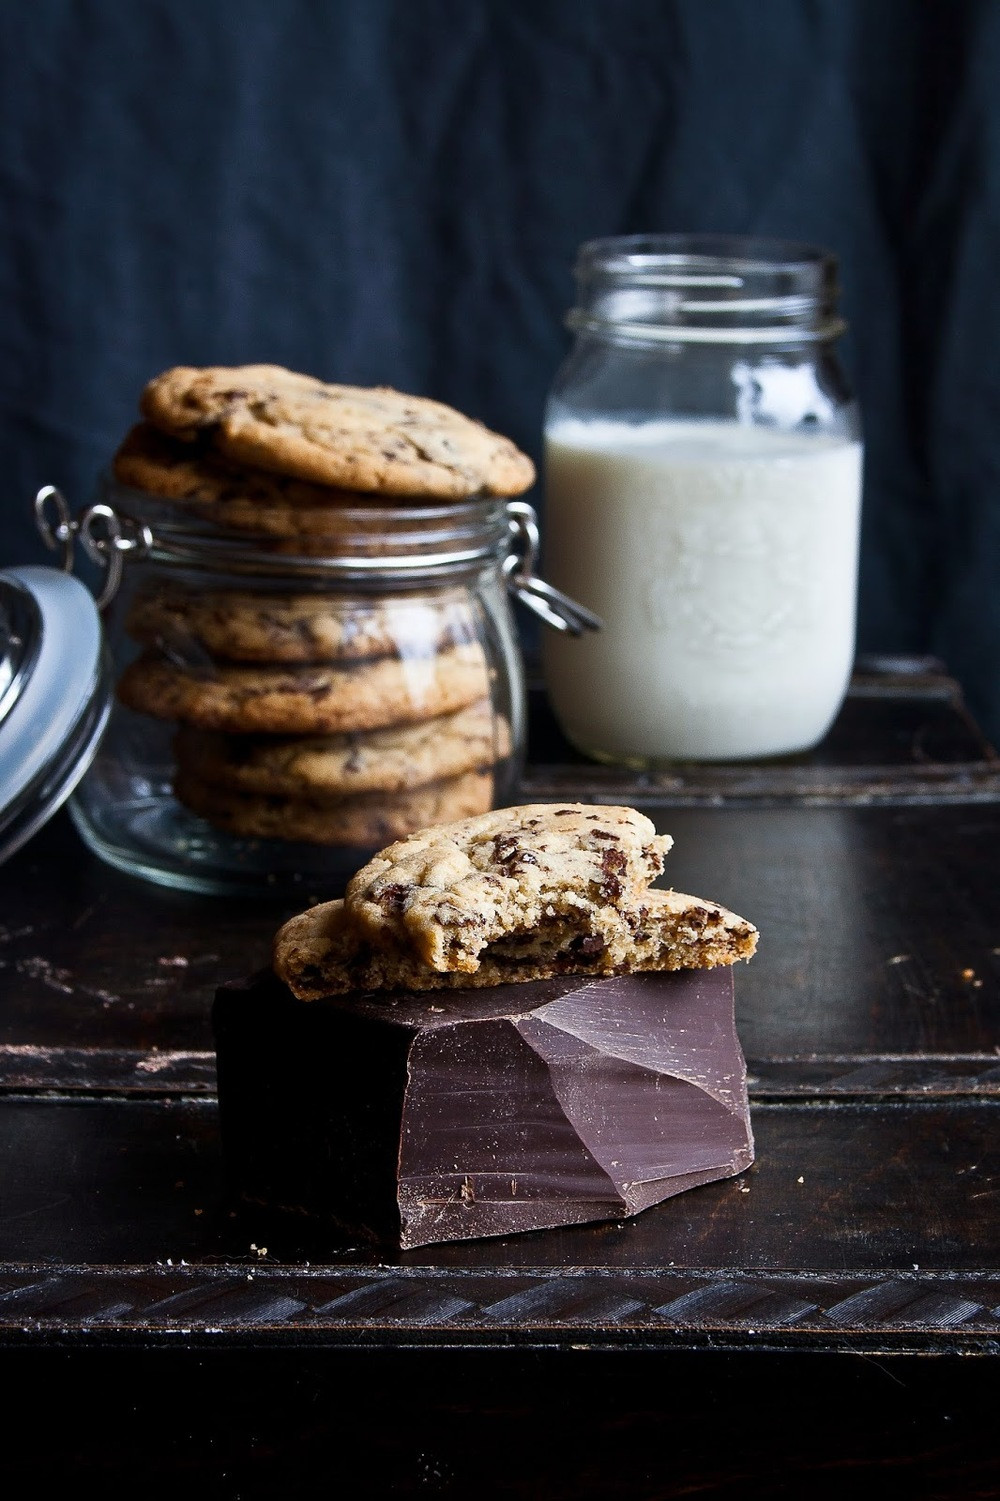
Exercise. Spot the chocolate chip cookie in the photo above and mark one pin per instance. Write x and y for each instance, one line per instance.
(319, 953)
(272, 627)
(198, 479)
(325, 766)
(363, 822)
(368, 439)
(446, 893)
(306, 700)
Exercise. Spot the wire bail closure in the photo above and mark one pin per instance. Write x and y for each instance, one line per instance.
(108, 539)
(104, 537)
(548, 603)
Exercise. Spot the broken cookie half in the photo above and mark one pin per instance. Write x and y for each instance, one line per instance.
(320, 953)
(446, 896)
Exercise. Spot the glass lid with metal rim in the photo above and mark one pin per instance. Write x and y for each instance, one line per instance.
(54, 695)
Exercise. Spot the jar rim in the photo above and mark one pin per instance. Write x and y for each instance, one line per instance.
(377, 543)
(748, 253)
(725, 289)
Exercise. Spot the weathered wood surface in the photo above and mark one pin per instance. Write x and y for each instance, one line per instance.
(870, 1018)
(880, 939)
(870, 1220)
(765, 1335)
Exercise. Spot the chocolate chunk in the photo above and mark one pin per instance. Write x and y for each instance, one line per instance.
(393, 897)
(613, 866)
(455, 1114)
(590, 943)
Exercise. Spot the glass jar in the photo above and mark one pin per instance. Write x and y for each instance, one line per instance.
(702, 495)
(286, 707)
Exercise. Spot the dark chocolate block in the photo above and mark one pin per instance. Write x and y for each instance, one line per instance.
(449, 1115)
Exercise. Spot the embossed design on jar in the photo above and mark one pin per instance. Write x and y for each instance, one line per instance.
(730, 588)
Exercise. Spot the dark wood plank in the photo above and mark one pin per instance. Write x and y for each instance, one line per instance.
(859, 1190)
(90, 957)
(739, 786)
(879, 929)
(867, 1076)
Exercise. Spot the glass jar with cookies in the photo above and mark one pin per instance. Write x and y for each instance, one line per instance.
(313, 645)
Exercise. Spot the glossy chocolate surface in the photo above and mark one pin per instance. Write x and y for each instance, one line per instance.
(462, 1114)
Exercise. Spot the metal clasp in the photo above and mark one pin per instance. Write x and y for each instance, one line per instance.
(104, 536)
(548, 603)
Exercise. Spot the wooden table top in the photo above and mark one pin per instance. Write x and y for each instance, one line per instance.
(868, 1228)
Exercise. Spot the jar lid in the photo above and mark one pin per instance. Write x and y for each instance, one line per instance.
(54, 695)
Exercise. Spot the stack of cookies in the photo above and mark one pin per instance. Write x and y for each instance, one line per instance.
(304, 713)
(513, 895)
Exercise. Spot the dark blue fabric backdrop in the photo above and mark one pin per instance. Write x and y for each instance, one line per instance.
(393, 191)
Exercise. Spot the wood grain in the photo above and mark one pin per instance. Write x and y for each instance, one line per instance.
(764, 1335)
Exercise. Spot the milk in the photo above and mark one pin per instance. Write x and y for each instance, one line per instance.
(723, 561)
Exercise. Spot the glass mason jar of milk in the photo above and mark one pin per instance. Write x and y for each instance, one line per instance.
(703, 493)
